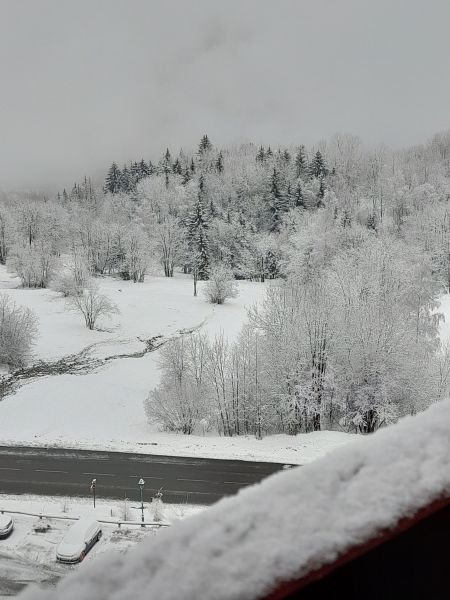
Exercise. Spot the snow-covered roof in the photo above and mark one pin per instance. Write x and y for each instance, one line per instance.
(285, 527)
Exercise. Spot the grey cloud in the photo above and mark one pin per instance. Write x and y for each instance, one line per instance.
(85, 82)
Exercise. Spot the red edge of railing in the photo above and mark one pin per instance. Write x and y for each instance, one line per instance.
(285, 588)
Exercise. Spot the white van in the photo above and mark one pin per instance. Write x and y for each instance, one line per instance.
(77, 542)
(6, 525)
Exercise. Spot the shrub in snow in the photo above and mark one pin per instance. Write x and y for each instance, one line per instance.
(221, 285)
(35, 265)
(74, 279)
(124, 511)
(18, 329)
(173, 406)
(157, 507)
(177, 403)
(92, 305)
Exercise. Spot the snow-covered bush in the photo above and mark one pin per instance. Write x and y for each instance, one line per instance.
(35, 265)
(220, 285)
(176, 405)
(157, 507)
(73, 279)
(18, 330)
(92, 304)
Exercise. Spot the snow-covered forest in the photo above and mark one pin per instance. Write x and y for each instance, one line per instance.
(351, 242)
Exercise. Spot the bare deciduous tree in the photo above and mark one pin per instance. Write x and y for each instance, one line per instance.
(92, 305)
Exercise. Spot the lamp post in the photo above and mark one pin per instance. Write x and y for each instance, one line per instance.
(141, 484)
(94, 481)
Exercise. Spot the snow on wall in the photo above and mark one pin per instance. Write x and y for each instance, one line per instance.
(291, 523)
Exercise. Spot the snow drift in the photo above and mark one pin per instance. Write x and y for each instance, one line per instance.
(283, 528)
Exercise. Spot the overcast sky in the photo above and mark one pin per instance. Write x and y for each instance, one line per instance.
(85, 82)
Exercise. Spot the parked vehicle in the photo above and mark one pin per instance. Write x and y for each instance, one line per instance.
(6, 526)
(77, 542)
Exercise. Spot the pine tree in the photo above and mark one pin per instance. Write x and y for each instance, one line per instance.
(125, 180)
(261, 155)
(113, 179)
(201, 185)
(300, 162)
(269, 152)
(286, 157)
(277, 200)
(317, 168)
(219, 163)
(321, 193)
(198, 240)
(298, 197)
(135, 174)
(186, 177)
(192, 166)
(144, 169)
(65, 196)
(151, 168)
(176, 168)
(288, 196)
(76, 193)
(205, 145)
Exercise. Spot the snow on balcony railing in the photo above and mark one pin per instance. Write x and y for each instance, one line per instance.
(290, 525)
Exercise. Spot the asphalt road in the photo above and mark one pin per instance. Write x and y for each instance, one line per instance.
(59, 472)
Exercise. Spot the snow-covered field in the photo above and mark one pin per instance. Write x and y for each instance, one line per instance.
(29, 556)
(104, 409)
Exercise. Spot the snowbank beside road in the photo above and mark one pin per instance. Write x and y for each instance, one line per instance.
(288, 525)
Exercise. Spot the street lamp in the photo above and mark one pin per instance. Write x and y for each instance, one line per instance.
(141, 484)
(94, 481)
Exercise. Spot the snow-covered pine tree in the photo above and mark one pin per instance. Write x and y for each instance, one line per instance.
(176, 167)
(113, 179)
(261, 155)
(198, 239)
(298, 197)
(144, 169)
(219, 163)
(126, 180)
(321, 194)
(277, 200)
(317, 168)
(204, 145)
(186, 177)
(300, 162)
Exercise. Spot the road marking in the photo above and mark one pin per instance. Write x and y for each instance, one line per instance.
(239, 482)
(8, 469)
(49, 471)
(202, 480)
(102, 474)
(146, 477)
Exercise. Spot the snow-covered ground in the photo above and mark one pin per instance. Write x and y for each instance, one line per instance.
(29, 556)
(104, 409)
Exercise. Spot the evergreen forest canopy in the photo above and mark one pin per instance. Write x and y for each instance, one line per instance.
(355, 243)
